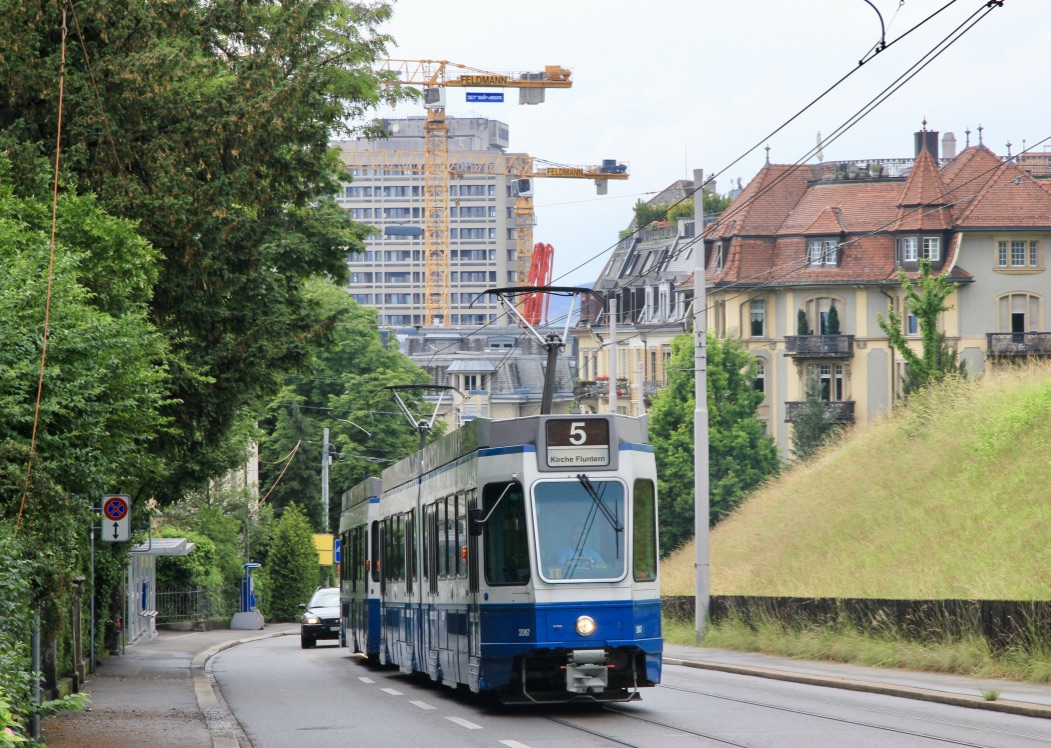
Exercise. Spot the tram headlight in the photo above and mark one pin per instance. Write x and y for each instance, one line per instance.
(585, 626)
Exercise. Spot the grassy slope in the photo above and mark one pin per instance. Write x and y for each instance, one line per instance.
(948, 498)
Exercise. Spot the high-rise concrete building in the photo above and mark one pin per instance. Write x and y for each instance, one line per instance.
(387, 191)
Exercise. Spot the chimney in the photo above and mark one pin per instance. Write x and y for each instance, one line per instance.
(927, 139)
(949, 145)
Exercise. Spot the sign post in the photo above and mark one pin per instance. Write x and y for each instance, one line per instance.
(116, 518)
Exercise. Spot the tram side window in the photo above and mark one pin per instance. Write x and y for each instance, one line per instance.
(505, 541)
(428, 512)
(461, 535)
(450, 534)
(410, 551)
(399, 548)
(375, 553)
(644, 534)
(443, 541)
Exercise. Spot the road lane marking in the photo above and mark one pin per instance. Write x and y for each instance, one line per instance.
(423, 705)
(366, 680)
(513, 744)
(391, 691)
(464, 723)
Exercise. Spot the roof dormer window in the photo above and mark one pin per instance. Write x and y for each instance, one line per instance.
(916, 248)
(822, 253)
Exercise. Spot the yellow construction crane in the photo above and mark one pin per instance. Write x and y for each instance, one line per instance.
(434, 76)
(516, 165)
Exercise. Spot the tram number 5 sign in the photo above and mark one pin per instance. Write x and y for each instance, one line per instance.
(577, 444)
(116, 518)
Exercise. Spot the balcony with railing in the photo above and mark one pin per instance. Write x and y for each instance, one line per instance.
(819, 346)
(1018, 344)
(843, 410)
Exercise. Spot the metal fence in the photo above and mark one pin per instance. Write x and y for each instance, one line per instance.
(1003, 623)
(184, 605)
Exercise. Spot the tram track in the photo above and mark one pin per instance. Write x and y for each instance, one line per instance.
(596, 731)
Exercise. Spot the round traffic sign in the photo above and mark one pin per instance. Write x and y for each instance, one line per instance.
(115, 508)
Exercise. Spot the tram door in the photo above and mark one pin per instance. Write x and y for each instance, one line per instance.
(473, 614)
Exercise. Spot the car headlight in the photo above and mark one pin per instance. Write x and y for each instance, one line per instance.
(585, 626)
(311, 620)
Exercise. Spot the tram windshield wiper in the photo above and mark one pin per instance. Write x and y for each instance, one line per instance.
(590, 488)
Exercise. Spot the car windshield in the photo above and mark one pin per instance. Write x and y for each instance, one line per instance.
(580, 529)
(327, 598)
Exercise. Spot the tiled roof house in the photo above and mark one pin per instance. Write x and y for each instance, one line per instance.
(835, 234)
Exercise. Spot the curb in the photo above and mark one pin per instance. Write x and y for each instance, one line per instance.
(905, 692)
(221, 723)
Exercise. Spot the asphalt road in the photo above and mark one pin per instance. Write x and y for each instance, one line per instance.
(285, 696)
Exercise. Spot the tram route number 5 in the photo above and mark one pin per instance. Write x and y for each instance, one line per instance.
(577, 444)
(116, 518)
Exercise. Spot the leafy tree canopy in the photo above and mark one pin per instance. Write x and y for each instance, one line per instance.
(212, 133)
(925, 298)
(105, 379)
(741, 455)
(343, 391)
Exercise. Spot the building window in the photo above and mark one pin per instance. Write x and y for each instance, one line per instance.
(718, 255)
(932, 248)
(359, 214)
(910, 249)
(1019, 312)
(758, 312)
(473, 382)
(818, 312)
(760, 376)
(830, 378)
(361, 277)
(821, 252)
(397, 212)
(1018, 253)
(912, 325)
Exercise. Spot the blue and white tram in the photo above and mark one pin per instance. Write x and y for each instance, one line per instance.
(533, 575)
(358, 572)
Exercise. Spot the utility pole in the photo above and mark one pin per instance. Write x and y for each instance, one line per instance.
(700, 417)
(324, 480)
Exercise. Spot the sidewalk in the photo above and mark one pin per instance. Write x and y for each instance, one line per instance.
(156, 694)
(1029, 699)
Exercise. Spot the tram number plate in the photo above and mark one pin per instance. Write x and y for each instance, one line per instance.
(577, 444)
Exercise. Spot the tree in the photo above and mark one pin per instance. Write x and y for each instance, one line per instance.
(832, 326)
(802, 326)
(741, 455)
(212, 133)
(292, 565)
(814, 424)
(342, 390)
(105, 376)
(926, 300)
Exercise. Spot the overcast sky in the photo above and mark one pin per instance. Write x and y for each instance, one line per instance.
(667, 86)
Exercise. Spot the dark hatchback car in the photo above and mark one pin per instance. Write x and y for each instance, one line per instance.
(320, 619)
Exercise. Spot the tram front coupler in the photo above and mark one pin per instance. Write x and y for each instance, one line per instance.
(587, 670)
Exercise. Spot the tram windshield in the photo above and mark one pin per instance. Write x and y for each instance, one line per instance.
(580, 529)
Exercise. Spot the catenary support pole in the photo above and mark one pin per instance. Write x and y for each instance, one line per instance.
(700, 417)
(612, 354)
